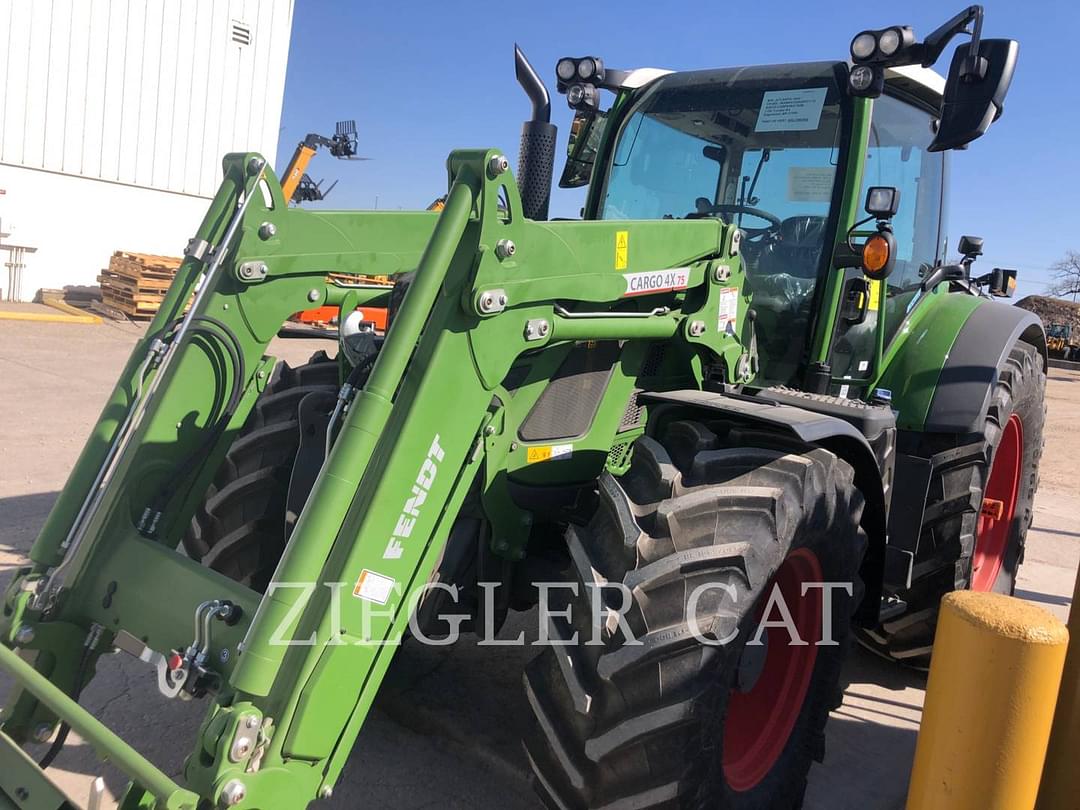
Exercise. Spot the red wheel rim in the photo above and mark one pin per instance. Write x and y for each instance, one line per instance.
(998, 507)
(759, 721)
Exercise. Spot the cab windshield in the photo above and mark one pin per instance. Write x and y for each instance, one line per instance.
(757, 147)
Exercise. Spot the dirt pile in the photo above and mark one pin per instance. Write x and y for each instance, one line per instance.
(1052, 310)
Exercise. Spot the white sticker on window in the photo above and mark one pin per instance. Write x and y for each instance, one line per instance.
(729, 310)
(790, 110)
(810, 183)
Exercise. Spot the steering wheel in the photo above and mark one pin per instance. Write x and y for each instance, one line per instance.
(706, 208)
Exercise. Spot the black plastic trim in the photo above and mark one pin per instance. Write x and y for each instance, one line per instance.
(964, 386)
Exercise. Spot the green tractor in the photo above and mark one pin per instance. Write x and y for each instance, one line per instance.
(712, 431)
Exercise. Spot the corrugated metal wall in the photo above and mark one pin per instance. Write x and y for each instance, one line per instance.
(146, 92)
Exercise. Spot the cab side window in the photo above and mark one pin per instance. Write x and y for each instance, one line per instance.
(897, 156)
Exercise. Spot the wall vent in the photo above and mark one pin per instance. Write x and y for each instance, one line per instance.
(241, 33)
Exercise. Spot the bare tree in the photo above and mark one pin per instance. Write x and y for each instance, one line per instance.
(1066, 273)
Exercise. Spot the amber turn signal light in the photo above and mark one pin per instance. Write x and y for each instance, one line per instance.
(877, 255)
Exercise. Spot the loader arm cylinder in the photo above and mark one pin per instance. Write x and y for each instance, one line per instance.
(318, 526)
(164, 356)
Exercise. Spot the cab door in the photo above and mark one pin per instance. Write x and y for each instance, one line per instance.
(871, 312)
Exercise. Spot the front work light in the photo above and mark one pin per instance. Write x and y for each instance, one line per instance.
(589, 69)
(863, 46)
(565, 69)
(861, 78)
(583, 97)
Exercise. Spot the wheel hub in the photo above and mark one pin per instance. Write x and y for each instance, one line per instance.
(998, 507)
(764, 705)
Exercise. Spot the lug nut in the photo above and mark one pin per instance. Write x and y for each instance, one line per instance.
(504, 248)
(497, 165)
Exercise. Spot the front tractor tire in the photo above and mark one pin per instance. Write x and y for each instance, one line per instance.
(239, 528)
(979, 508)
(681, 719)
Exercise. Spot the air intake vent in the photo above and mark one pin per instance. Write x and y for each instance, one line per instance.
(241, 33)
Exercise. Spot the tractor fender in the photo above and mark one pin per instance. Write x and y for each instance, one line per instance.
(967, 378)
(872, 474)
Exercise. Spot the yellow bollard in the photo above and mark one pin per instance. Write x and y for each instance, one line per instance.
(994, 678)
(1060, 788)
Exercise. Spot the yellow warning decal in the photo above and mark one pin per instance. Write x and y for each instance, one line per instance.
(622, 249)
(549, 452)
(875, 296)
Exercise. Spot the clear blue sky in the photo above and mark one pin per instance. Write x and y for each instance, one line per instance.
(423, 78)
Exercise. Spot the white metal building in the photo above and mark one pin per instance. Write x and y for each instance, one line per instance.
(114, 116)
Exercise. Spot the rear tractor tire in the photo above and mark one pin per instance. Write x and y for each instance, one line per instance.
(707, 719)
(978, 510)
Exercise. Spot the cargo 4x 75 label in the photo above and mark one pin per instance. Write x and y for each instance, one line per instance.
(653, 281)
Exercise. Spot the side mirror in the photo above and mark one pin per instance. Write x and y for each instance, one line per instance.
(974, 92)
(970, 247)
(585, 135)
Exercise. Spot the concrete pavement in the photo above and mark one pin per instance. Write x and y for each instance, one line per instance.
(445, 729)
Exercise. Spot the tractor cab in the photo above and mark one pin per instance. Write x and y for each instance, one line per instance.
(792, 155)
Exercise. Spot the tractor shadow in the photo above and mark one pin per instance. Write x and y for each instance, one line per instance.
(21, 518)
(870, 739)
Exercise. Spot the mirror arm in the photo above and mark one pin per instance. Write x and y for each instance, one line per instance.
(930, 49)
(944, 272)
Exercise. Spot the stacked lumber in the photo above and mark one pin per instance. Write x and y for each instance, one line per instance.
(135, 283)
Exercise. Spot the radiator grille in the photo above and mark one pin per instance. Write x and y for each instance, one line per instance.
(569, 403)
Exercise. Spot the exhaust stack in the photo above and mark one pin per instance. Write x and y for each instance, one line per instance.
(536, 158)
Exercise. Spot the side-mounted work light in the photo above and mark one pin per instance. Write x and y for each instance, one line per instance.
(882, 202)
(579, 78)
(877, 255)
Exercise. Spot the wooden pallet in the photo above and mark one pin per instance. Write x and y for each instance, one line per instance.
(136, 283)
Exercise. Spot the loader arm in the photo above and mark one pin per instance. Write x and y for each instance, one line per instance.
(292, 674)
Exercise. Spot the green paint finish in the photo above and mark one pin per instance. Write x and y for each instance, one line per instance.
(104, 741)
(916, 355)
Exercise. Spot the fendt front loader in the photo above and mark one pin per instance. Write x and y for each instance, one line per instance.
(713, 430)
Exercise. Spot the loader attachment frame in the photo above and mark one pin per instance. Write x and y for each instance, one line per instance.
(290, 675)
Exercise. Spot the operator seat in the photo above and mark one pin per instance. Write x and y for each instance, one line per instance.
(795, 248)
